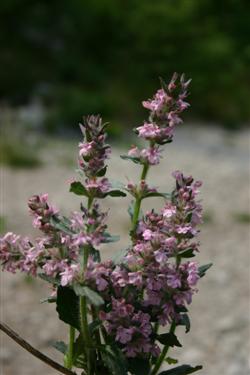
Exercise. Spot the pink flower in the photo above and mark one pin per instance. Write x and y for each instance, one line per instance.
(160, 256)
(134, 152)
(147, 235)
(169, 210)
(124, 335)
(69, 274)
(170, 242)
(151, 155)
(191, 268)
(77, 222)
(135, 278)
(86, 149)
(148, 131)
(184, 229)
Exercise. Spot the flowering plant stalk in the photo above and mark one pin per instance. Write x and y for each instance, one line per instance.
(122, 313)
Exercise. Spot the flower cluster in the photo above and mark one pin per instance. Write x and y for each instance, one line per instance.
(42, 212)
(93, 152)
(149, 276)
(165, 109)
(17, 253)
(130, 328)
(118, 305)
(150, 155)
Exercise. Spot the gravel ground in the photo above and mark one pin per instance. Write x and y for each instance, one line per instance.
(220, 337)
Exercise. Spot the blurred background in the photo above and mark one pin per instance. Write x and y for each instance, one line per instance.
(63, 59)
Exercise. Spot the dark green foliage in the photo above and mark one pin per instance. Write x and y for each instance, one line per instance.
(77, 188)
(48, 300)
(60, 346)
(67, 306)
(181, 370)
(109, 238)
(132, 158)
(169, 339)
(114, 360)
(119, 256)
(98, 56)
(203, 269)
(79, 357)
(139, 366)
(171, 361)
(115, 193)
(61, 223)
(184, 321)
(156, 194)
(189, 253)
(93, 297)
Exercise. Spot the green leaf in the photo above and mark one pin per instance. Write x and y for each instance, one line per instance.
(114, 360)
(169, 339)
(171, 361)
(132, 158)
(109, 238)
(80, 362)
(78, 350)
(181, 370)
(181, 309)
(61, 223)
(139, 366)
(119, 255)
(184, 321)
(203, 269)
(93, 297)
(67, 306)
(115, 193)
(164, 142)
(60, 346)
(94, 326)
(156, 194)
(189, 253)
(77, 188)
(95, 254)
(102, 172)
(48, 299)
(49, 279)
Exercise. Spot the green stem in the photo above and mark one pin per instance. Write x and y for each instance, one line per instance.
(136, 213)
(163, 353)
(70, 354)
(97, 333)
(83, 308)
(144, 171)
(85, 330)
(138, 200)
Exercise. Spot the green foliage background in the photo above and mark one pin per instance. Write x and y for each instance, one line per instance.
(103, 56)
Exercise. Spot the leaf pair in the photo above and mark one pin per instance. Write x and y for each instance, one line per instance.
(78, 188)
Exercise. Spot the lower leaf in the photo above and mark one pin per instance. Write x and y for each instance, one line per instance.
(181, 370)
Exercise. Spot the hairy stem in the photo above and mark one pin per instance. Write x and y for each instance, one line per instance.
(83, 308)
(70, 354)
(163, 353)
(85, 330)
(138, 200)
(36, 353)
(144, 171)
